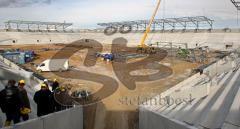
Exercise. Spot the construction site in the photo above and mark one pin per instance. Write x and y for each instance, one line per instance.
(170, 73)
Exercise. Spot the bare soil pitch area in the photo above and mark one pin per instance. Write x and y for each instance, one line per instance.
(106, 83)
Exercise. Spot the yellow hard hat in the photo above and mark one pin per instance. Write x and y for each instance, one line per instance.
(61, 88)
(21, 82)
(43, 85)
(25, 111)
(55, 80)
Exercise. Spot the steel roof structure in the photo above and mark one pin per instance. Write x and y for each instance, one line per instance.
(168, 23)
(32, 25)
(236, 3)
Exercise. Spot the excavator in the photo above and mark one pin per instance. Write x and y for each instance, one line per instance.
(143, 47)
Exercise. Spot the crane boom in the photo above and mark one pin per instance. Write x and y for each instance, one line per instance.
(142, 43)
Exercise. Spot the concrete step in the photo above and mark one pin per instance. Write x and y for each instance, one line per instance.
(219, 110)
(180, 115)
(177, 109)
(216, 80)
(175, 94)
(220, 77)
(229, 126)
(195, 92)
(155, 107)
(233, 116)
(149, 106)
(160, 107)
(174, 108)
(169, 109)
(165, 107)
(202, 109)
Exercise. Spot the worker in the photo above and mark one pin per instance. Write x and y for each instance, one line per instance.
(10, 102)
(55, 105)
(25, 105)
(42, 99)
(57, 99)
(45, 81)
(55, 85)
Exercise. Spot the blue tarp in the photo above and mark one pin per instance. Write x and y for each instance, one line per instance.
(19, 57)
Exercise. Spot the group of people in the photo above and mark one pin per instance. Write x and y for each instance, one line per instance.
(45, 100)
(15, 103)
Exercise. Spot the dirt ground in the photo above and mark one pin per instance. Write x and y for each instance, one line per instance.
(118, 109)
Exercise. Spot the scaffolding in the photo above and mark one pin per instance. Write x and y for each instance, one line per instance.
(36, 25)
(236, 3)
(183, 23)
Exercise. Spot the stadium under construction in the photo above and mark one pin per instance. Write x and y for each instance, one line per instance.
(169, 73)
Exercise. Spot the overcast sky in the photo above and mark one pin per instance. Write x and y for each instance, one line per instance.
(86, 13)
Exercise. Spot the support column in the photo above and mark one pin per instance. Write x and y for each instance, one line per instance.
(163, 26)
(185, 25)
(17, 26)
(154, 26)
(38, 27)
(9, 26)
(145, 25)
(197, 25)
(28, 27)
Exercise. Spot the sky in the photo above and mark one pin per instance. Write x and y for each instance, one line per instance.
(87, 13)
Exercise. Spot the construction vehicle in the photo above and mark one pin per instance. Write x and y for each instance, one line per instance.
(53, 65)
(183, 53)
(143, 47)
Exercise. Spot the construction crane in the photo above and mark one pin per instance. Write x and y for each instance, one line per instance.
(143, 46)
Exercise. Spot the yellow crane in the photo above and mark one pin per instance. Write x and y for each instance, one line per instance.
(142, 45)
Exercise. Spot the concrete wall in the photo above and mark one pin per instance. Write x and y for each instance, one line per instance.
(68, 119)
(215, 40)
(14, 68)
(152, 120)
(149, 119)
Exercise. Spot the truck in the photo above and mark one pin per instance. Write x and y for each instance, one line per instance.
(53, 65)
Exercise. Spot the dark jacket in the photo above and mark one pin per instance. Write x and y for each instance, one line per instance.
(24, 97)
(10, 100)
(42, 98)
(57, 104)
(55, 85)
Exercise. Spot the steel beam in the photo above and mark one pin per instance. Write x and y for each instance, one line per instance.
(236, 4)
(29, 24)
(168, 23)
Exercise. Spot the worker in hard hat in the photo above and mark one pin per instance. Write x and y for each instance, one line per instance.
(45, 81)
(58, 97)
(25, 104)
(55, 84)
(42, 99)
(10, 103)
